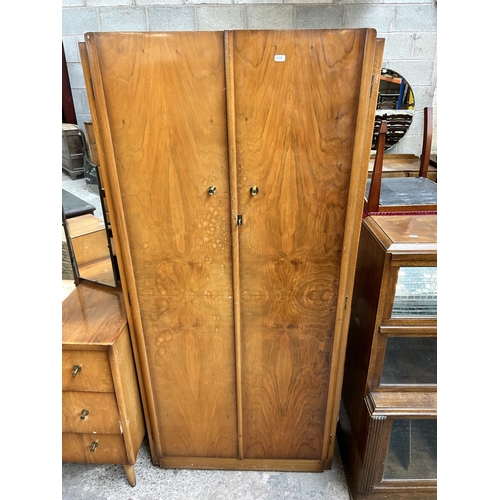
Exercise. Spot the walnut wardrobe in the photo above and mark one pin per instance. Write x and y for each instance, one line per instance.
(234, 165)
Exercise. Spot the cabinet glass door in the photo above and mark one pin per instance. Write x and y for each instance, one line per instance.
(416, 292)
(410, 360)
(412, 450)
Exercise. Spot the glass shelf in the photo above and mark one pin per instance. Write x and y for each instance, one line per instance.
(416, 292)
(412, 450)
(410, 360)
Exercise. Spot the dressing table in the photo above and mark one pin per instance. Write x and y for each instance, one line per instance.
(102, 419)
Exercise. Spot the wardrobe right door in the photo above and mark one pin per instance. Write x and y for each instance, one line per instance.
(296, 100)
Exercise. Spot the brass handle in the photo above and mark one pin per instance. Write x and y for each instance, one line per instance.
(76, 370)
(84, 414)
(212, 190)
(254, 190)
(94, 445)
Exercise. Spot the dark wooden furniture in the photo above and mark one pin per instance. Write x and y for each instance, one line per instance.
(68, 107)
(73, 142)
(425, 157)
(234, 167)
(387, 425)
(102, 419)
(400, 188)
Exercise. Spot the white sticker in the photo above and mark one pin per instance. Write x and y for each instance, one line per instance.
(413, 235)
(279, 58)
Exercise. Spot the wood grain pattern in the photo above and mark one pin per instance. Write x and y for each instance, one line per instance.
(174, 118)
(95, 338)
(367, 286)
(407, 229)
(295, 129)
(402, 165)
(242, 464)
(166, 107)
(405, 404)
(92, 318)
(110, 450)
(100, 129)
(235, 241)
(91, 248)
(127, 394)
(102, 410)
(372, 61)
(95, 374)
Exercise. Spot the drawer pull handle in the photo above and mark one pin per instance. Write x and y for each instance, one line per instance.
(84, 414)
(76, 369)
(94, 445)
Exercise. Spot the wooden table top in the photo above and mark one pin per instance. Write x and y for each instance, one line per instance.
(93, 314)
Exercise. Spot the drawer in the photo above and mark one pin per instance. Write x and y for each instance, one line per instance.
(77, 448)
(100, 412)
(94, 374)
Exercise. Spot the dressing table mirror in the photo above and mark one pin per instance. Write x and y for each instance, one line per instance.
(395, 104)
(86, 226)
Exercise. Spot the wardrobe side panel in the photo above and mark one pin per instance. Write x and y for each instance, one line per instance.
(165, 100)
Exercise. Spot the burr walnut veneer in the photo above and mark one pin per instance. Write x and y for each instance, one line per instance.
(234, 165)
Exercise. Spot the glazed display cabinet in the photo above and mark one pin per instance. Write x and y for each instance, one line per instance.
(234, 166)
(387, 428)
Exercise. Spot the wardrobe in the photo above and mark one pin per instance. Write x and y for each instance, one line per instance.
(235, 166)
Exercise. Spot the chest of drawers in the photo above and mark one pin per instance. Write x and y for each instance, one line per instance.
(102, 419)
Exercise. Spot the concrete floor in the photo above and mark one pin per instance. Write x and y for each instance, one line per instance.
(108, 482)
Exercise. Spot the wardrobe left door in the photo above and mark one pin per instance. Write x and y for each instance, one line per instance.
(160, 100)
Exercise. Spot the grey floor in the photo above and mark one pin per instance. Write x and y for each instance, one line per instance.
(108, 482)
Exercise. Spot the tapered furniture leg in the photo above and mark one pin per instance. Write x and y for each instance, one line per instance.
(130, 471)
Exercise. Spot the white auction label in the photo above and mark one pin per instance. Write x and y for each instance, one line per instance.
(279, 58)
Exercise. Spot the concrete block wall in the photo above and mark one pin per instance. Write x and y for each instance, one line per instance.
(409, 29)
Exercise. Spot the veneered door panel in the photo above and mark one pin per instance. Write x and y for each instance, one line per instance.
(296, 99)
(165, 102)
(291, 131)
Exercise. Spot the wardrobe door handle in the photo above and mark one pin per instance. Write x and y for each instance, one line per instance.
(211, 190)
(254, 190)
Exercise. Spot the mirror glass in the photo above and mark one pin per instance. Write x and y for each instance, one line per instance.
(395, 104)
(85, 219)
